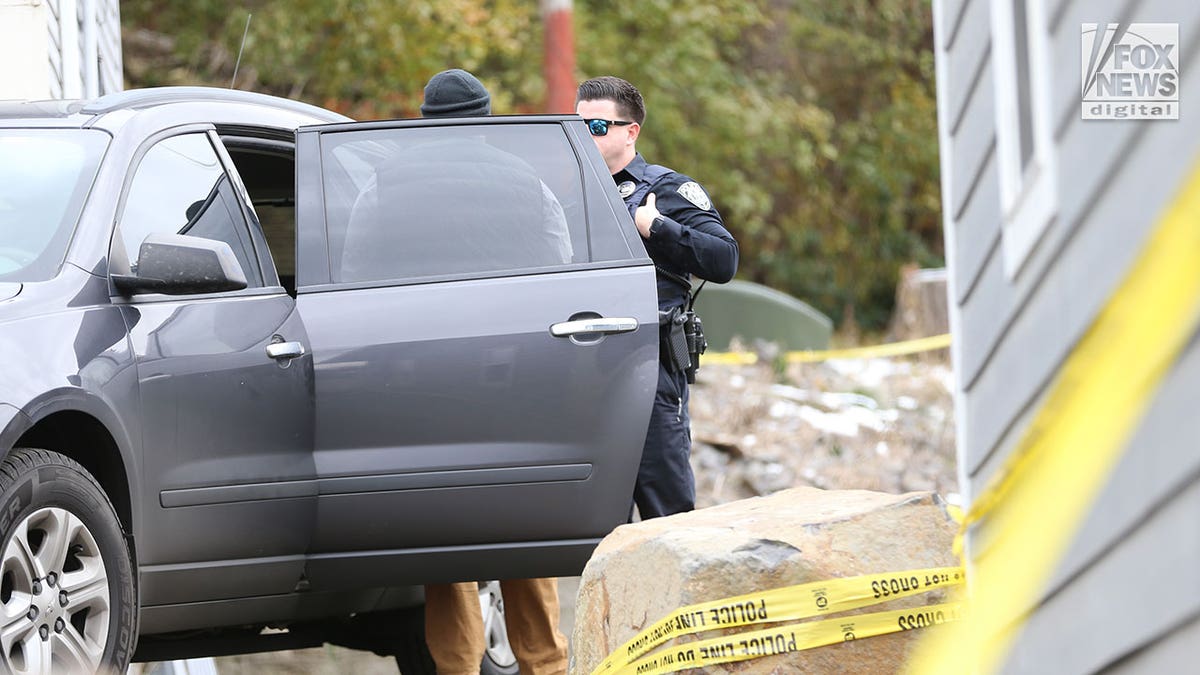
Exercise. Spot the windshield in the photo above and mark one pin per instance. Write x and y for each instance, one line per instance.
(45, 175)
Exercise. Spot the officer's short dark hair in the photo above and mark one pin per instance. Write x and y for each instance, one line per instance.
(608, 88)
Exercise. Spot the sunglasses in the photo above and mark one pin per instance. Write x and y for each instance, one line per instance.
(600, 127)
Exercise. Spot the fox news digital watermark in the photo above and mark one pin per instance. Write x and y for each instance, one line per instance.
(1130, 71)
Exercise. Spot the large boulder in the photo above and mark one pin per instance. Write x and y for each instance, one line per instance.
(644, 571)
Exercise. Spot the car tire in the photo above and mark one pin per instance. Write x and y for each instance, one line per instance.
(65, 565)
(412, 656)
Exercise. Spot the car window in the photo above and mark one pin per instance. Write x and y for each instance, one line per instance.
(45, 176)
(431, 201)
(180, 187)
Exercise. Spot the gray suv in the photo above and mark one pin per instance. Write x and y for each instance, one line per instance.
(264, 371)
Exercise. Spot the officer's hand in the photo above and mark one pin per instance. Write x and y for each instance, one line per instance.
(645, 215)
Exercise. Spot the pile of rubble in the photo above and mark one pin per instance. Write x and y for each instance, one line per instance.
(873, 424)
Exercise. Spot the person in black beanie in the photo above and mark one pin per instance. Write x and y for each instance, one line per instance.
(454, 629)
(456, 93)
(525, 228)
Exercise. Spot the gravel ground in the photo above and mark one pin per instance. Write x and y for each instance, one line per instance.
(877, 424)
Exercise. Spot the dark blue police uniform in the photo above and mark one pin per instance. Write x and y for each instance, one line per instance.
(688, 239)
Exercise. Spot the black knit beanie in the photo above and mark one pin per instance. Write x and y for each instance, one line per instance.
(456, 93)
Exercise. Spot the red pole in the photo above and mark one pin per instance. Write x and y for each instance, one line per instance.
(559, 58)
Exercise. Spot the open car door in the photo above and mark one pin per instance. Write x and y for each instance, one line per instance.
(483, 322)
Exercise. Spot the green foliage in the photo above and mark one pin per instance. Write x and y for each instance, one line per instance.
(811, 123)
(366, 58)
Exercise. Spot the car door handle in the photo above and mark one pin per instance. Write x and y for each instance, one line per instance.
(605, 326)
(285, 350)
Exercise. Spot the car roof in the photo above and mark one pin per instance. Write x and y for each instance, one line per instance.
(144, 98)
(84, 112)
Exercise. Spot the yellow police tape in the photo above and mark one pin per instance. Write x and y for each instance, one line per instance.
(808, 356)
(1028, 513)
(794, 638)
(790, 603)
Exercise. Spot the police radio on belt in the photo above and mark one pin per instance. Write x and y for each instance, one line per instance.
(684, 341)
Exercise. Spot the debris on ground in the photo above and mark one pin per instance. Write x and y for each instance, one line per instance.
(872, 424)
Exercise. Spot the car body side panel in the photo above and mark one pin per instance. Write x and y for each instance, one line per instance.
(448, 415)
(225, 430)
(227, 446)
(65, 349)
(416, 566)
(55, 336)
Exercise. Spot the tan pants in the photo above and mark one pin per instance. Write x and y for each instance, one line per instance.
(454, 626)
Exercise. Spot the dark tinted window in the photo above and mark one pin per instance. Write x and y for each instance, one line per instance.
(419, 202)
(181, 188)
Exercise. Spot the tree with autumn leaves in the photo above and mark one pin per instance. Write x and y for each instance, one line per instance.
(811, 123)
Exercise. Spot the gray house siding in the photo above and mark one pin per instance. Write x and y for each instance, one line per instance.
(1130, 577)
(1173, 649)
(1115, 600)
(1125, 600)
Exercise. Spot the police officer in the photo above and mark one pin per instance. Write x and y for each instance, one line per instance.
(684, 236)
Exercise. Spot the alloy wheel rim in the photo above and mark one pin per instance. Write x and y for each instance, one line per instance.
(499, 650)
(54, 598)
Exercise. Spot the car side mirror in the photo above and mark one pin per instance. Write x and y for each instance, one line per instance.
(177, 264)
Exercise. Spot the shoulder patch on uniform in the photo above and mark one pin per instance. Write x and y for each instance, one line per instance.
(695, 194)
(625, 189)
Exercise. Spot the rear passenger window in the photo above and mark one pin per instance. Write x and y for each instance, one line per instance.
(181, 188)
(424, 201)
